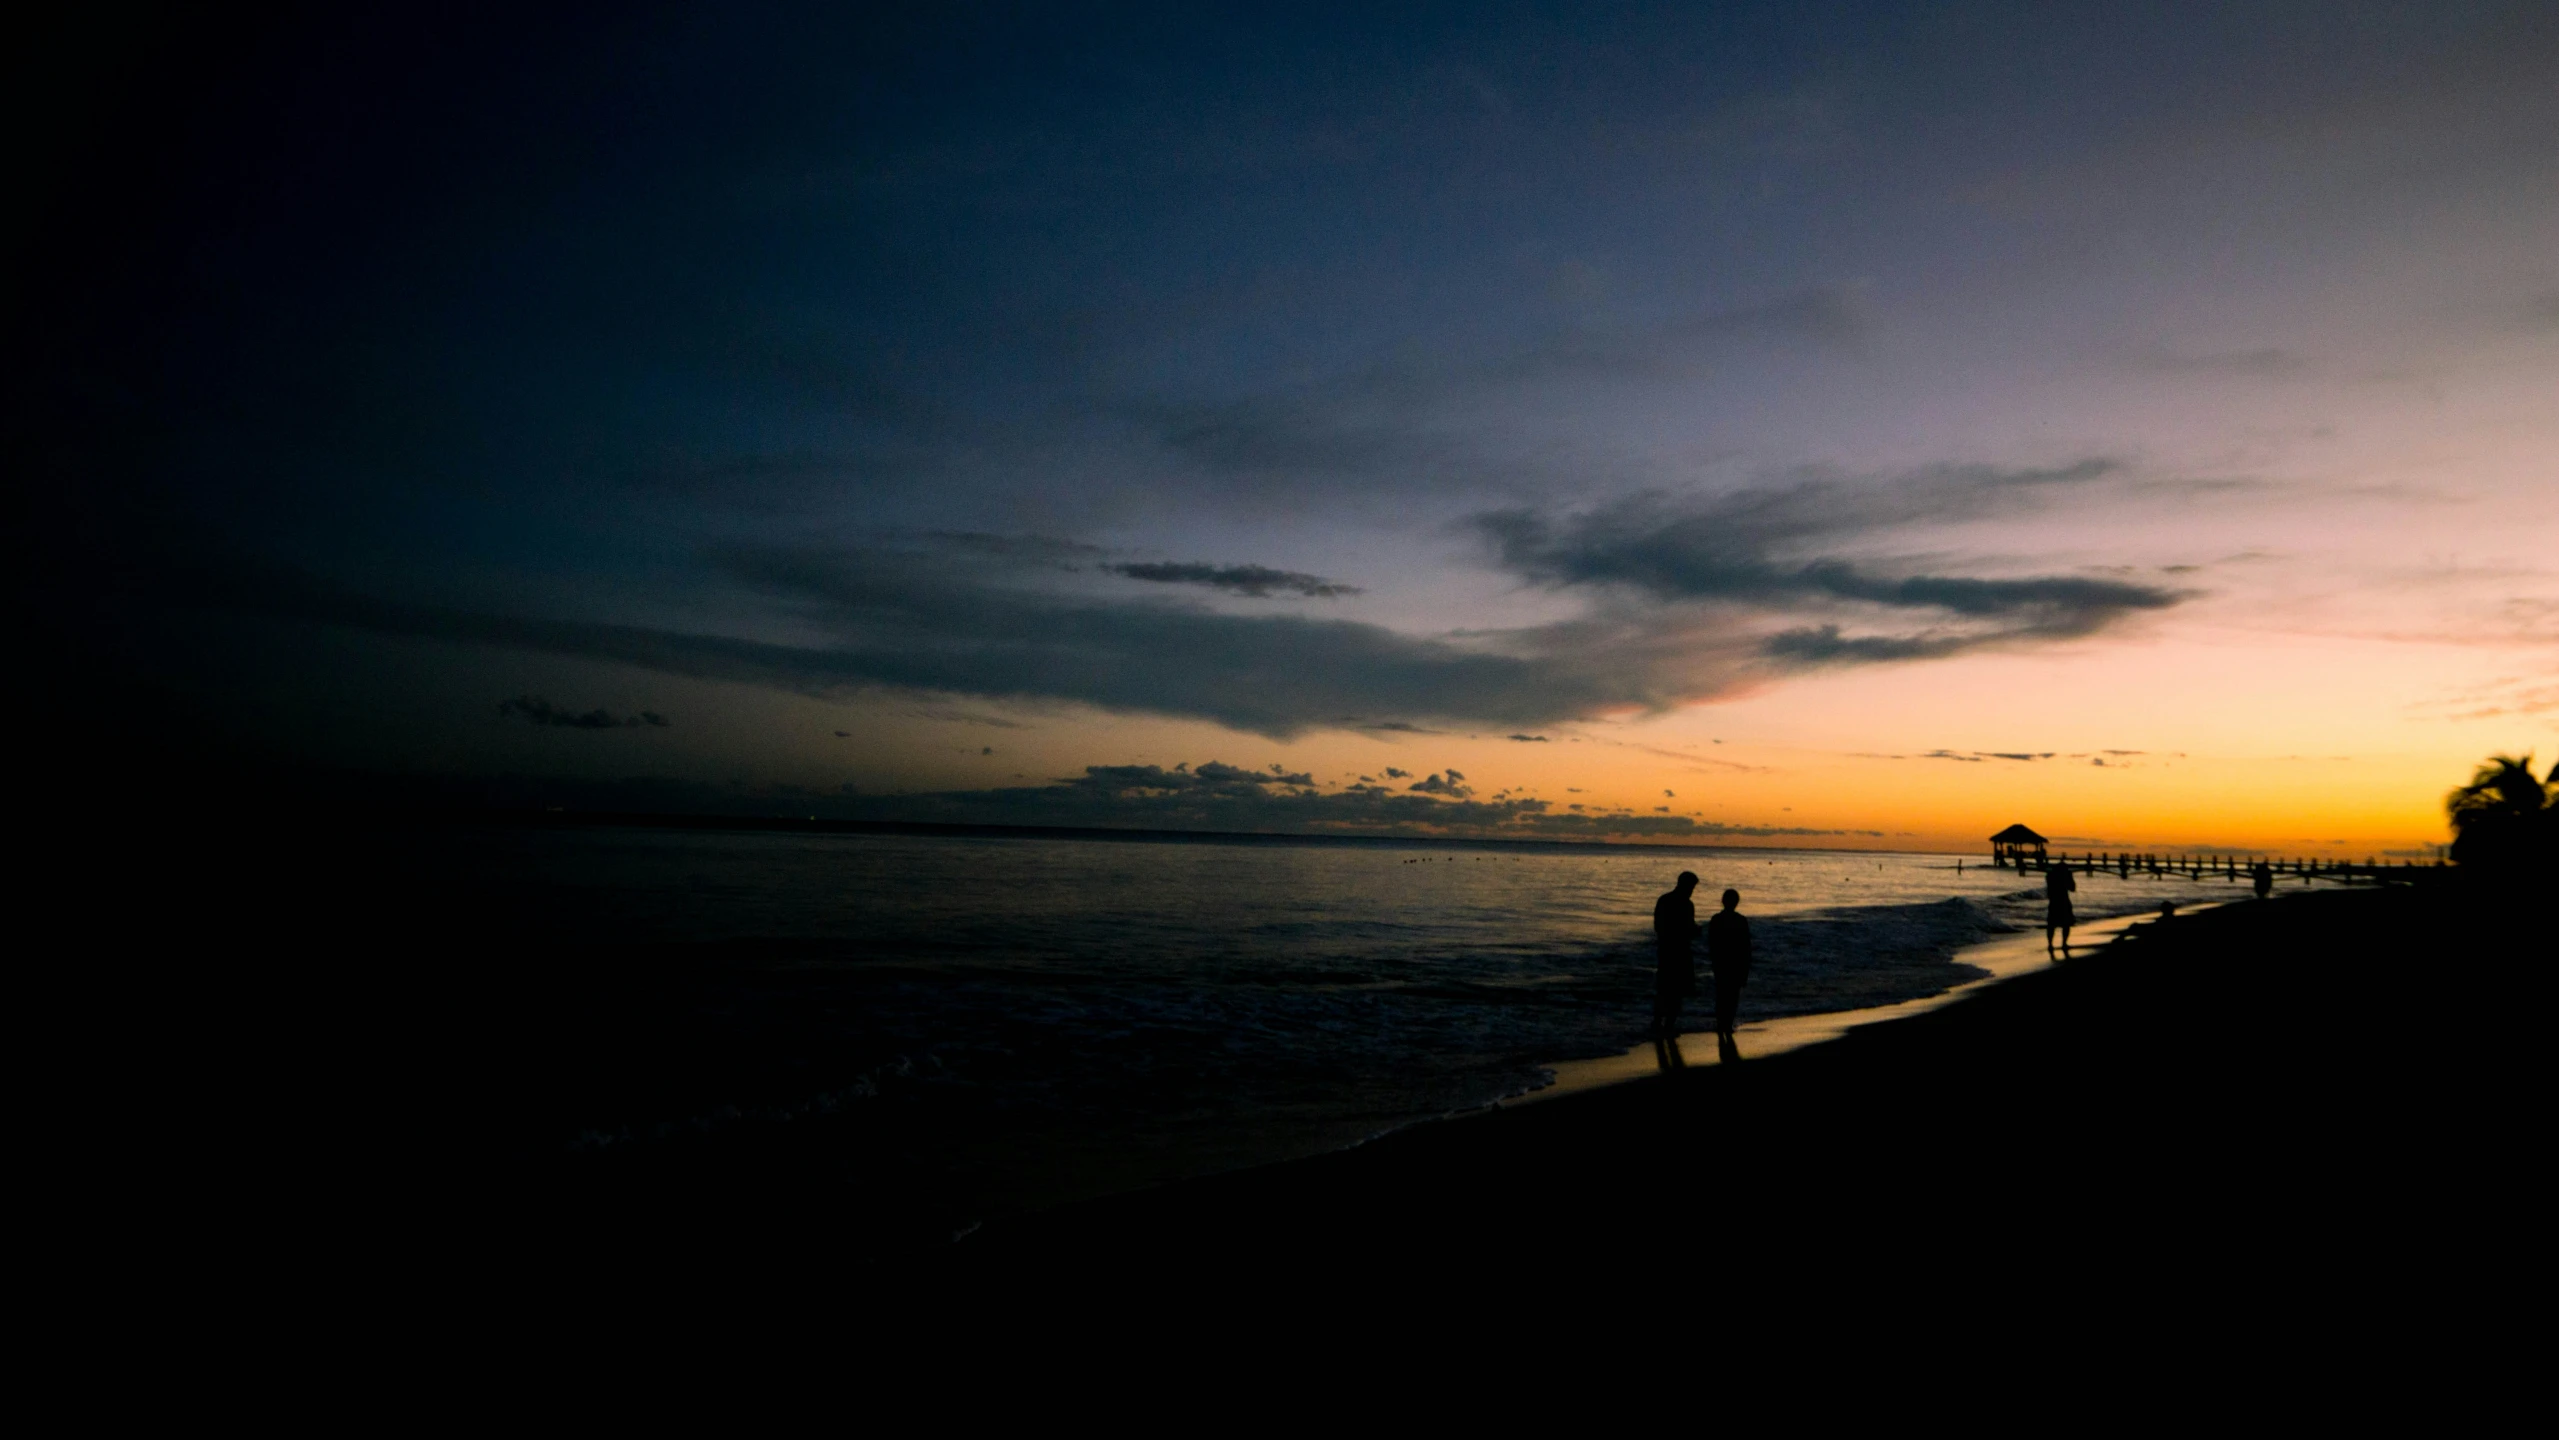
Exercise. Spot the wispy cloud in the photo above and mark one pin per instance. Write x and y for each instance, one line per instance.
(1258, 581)
(1762, 550)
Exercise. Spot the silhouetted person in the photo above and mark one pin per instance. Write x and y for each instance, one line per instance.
(1674, 942)
(1728, 946)
(2261, 878)
(2058, 883)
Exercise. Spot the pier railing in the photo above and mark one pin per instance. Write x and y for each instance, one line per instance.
(2232, 868)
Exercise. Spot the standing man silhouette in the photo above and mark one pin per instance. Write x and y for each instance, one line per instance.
(1674, 935)
(1728, 946)
(2261, 878)
(2058, 883)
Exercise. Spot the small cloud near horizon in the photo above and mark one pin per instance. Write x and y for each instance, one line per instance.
(542, 712)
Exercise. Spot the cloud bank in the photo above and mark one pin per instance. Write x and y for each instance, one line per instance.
(1217, 796)
(1686, 599)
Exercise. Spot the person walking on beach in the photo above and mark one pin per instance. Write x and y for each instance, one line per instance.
(1674, 941)
(1728, 947)
(2261, 878)
(2058, 883)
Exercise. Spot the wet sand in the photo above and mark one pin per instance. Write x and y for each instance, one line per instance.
(2005, 958)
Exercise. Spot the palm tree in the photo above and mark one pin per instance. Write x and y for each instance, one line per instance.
(2505, 816)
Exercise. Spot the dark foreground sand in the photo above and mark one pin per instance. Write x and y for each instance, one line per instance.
(2314, 1095)
(2303, 1087)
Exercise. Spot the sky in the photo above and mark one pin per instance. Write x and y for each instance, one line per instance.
(1805, 424)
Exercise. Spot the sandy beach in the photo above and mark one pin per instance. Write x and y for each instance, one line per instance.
(2254, 1095)
(2229, 1081)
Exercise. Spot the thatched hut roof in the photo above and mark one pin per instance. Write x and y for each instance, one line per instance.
(2017, 835)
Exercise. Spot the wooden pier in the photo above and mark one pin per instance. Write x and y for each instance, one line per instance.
(2026, 852)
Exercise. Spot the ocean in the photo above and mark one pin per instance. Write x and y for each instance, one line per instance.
(952, 1027)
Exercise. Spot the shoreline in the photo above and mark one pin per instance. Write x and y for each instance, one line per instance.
(2108, 1085)
(2007, 957)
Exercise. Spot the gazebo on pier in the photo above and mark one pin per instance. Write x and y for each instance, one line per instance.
(2009, 847)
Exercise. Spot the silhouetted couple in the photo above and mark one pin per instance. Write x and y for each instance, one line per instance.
(2058, 883)
(1675, 931)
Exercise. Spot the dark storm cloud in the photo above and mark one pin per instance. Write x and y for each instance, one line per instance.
(1257, 581)
(543, 712)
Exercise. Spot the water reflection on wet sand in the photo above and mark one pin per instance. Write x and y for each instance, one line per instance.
(2005, 958)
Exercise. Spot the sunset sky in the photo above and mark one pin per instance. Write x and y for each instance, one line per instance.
(1799, 424)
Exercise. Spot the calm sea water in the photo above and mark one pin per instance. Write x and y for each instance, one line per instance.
(991, 1023)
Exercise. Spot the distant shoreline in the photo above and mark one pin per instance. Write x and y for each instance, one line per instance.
(580, 819)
